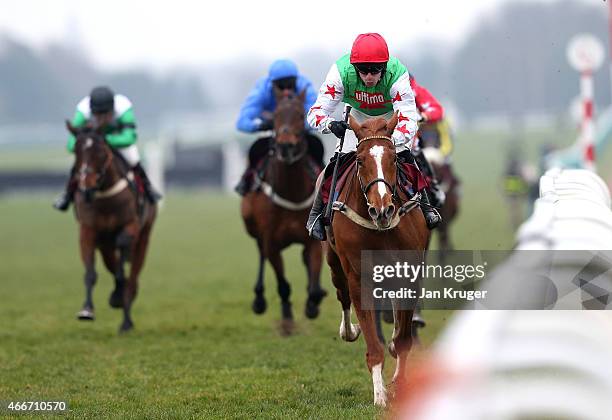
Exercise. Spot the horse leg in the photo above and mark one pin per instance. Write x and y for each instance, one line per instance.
(402, 340)
(111, 262)
(348, 331)
(259, 304)
(284, 291)
(127, 242)
(375, 354)
(378, 321)
(312, 259)
(87, 242)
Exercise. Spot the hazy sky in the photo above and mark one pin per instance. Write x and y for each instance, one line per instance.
(124, 33)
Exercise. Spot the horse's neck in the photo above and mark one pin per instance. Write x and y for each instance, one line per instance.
(113, 174)
(352, 195)
(290, 181)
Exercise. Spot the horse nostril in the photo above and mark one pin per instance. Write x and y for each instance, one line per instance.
(390, 211)
(373, 212)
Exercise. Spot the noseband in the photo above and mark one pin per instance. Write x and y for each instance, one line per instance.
(101, 176)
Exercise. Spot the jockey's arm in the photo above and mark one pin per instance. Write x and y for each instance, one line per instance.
(125, 135)
(330, 95)
(429, 107)
(406, 128)
(249, 118)
(78, 121)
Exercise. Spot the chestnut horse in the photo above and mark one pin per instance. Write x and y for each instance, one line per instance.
(275, 214)
(374, 214)
(112, 218)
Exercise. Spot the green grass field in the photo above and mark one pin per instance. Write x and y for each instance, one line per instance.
(197, 349)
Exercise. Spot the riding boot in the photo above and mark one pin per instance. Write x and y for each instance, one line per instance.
(435, 191)
(432, 217)
(244, 185)
(63, 201)
(314, 225)
(152, 195)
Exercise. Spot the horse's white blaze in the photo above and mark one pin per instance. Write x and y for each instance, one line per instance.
(88, 143)
(380, 394)
(377, 152)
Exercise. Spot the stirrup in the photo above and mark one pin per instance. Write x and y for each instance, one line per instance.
(316, 230)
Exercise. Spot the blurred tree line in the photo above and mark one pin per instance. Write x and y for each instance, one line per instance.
(513, 62)
(46, 86)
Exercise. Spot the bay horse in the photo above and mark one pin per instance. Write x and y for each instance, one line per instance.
(372, 217)
(275, 214)
(448, 183)
(112, 218)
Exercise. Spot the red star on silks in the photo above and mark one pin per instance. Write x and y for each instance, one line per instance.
(332, 91)
(402, 129)
(319, 118)
(401, 118)
(397, 97)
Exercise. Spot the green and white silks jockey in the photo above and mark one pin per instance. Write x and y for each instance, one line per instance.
(120, 134)
(105, 109)
(392, 93)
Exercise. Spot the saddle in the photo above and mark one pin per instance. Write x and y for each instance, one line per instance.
(410, 179)
(134, 181)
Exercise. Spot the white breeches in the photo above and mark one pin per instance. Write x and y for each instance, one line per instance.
(350, 140)
(130, 154)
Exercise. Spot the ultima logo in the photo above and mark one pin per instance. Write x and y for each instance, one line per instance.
(370, 100)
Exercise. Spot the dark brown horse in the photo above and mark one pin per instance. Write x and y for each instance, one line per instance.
(275, 214)
(374, 214)
(450, 184)
(111, 218)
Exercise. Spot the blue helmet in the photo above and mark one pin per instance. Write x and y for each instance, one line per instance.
(282, 69)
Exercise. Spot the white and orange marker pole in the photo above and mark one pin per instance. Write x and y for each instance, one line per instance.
(586, 54)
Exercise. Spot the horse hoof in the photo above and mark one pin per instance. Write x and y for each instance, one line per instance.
(116, 299)
(313, 302)
(86, 315)
(125, 327)
(311, 310)
(287, 327)
(259, 305)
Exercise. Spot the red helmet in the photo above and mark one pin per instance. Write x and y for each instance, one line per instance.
(369, 48)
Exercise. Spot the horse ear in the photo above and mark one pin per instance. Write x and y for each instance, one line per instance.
(353, 124)
(71, 128)
(392, 123)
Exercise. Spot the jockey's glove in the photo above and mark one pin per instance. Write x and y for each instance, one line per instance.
(338, 128)
(265, 125)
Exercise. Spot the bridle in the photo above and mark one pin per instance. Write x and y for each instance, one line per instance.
(101, 175)
(302, 145)
(365, 189)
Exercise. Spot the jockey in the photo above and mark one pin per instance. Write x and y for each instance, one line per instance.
(257, 113)
(374, 84)
(432, 114)
(103, 108)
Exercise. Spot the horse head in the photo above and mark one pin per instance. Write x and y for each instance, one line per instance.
(377, 167)
(290, 143)
(93, 158)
